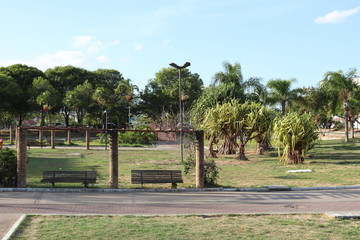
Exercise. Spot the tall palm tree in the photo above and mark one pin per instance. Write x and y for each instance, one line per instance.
(232, 79)
(343, 85)
(233, 83)
(232, 74)
(281, 92)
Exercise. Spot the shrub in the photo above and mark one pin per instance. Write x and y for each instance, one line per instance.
(144, 138)
(294, 134)
(8, 165)
(211, 170)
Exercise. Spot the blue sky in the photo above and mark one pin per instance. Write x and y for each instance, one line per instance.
(285, 39)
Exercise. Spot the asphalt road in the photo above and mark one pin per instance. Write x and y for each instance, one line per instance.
(154, 203)
(14, 204)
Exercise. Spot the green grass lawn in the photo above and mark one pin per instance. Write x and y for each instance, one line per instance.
(333, 163)
(307, 226)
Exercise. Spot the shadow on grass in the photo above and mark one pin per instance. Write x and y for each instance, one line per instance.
(337, 158)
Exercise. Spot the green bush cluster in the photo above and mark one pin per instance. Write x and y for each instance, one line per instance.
(140, 138)
(8, 165)
(143, 138)
(211, 170)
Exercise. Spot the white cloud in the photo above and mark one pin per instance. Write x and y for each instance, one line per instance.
(102, 58)
(60, 58)
(138, 47)
(82, 41)
(95, 46)
(116, 42)
(82, 56)
(337, 16)
(89, 43)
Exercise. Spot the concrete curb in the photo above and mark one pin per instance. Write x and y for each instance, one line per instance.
(264, 189)
(345, 215)
(14, 227)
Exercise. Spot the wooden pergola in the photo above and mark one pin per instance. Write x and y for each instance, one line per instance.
(21, 137)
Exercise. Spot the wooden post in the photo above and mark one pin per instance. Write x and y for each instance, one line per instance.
(53, 139)
(16, 136)
(21, 157)
(114, 159)
(87, 137)
(12, 135)
(199, 146)
(69, 136)
(41, 136)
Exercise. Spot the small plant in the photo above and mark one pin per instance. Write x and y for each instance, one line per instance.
(8, 165)
(102, 137)
(211, 170)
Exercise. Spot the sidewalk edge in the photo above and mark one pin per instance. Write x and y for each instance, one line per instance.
(14, 227)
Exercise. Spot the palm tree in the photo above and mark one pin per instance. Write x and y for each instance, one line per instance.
(232, 79)
(280, 92)
(342, 85)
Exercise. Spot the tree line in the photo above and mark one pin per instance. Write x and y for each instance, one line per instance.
(234, 110)
(78, 96)
(230, 110)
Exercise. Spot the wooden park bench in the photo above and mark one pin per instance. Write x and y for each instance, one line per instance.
(156, 176)
(84, 177)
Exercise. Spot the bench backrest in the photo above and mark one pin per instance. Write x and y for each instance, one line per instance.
(81, 175)
(156, 176)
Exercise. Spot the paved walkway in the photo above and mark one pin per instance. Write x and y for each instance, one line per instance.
(13, 204)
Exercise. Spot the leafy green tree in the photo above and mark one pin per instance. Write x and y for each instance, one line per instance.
(354, 110)
(24, 76)
(46, 96)
(236, 86)
(294, 134)
(253, 122)
(161, 94)
(281, 93)
(10, 93)
(342, 85)
(107, 78)
(264, 129)
(65, 79)
(219, 123)
(233, 120)
(111, 95)
(80, 100)
(228, 85)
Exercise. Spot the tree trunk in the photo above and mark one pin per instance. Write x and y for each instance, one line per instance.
(346, 116)
(352, 124)
(295, 157)
(42, 123)
(241, 153)
(259, 149)
(20, 119)
(212, 152)
(283, 107)
(229, 146)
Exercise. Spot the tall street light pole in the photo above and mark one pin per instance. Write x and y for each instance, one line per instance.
(187, 64)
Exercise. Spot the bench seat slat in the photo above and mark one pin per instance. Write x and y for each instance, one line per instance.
(85, 177)
(156, 176)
